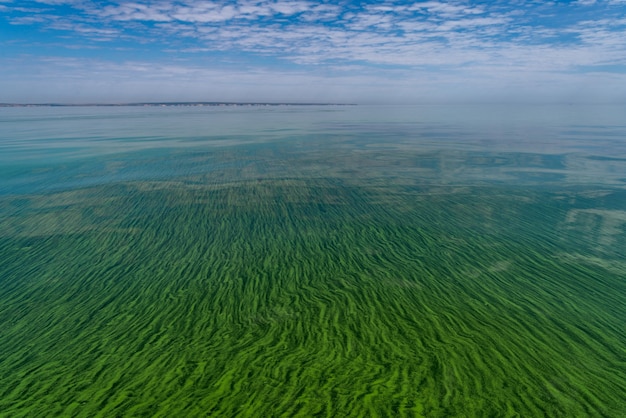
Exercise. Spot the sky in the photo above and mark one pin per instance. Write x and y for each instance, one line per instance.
(83, 51)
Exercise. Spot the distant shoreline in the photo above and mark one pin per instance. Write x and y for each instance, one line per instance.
(170, 104)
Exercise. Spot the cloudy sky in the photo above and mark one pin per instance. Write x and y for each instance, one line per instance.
(340, 51)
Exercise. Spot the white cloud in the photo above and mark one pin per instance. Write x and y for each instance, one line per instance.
(135, 11)
(58, 2)
(290, 8)
(446, 9)
(472, 22)
(204, 14)
(441, 41)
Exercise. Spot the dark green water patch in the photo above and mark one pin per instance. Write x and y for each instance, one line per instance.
(311, 298)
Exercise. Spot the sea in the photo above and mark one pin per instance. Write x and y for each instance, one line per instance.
(313, 260)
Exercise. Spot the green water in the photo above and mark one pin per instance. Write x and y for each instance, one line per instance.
(327, 270)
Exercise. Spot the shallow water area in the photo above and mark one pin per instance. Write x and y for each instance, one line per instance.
(313, 260)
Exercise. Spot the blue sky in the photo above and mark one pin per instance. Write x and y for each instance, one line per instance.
(341, 51)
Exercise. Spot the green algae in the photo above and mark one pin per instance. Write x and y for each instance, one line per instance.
(312, 296)
(408, 261)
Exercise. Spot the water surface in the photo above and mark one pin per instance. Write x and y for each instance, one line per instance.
(316, 260)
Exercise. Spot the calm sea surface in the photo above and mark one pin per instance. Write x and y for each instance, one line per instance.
(333, 261)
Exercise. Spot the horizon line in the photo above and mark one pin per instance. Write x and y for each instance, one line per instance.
(171, 103)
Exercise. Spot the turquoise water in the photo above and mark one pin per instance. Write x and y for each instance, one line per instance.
(313, 261)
